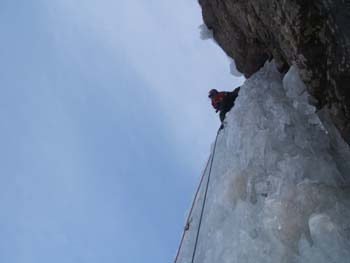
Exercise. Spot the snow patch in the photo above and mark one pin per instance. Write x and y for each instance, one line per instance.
(205, 33)
(233, 69)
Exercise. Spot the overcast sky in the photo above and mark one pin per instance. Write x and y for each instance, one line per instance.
(105, 127)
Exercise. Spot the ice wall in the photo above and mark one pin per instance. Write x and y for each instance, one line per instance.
(278, 191)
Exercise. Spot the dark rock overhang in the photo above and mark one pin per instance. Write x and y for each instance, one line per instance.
(314, 35)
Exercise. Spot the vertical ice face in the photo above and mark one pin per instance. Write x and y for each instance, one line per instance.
(278, 191)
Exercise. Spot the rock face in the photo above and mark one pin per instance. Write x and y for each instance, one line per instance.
(314, 35)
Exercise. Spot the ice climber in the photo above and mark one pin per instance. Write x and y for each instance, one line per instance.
(223, 101)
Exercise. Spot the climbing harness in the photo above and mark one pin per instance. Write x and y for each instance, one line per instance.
(189, 218)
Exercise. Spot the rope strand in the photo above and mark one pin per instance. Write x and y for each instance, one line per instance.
(189, 217)
(188, 220)
(205, 198)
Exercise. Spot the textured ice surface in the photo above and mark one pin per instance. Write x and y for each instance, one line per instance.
(278, 191)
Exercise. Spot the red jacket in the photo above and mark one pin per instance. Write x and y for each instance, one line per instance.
(217, 99)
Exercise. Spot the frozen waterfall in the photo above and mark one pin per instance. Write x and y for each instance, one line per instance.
(278, 191)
